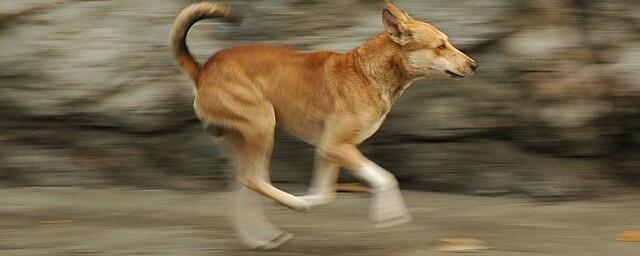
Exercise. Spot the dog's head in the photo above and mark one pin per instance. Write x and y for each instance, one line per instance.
(424, 50)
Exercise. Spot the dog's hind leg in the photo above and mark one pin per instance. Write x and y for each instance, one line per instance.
(248, 122)
(253, 156)
(252, 226)
(249, 221)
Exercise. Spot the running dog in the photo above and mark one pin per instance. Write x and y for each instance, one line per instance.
(333, 101)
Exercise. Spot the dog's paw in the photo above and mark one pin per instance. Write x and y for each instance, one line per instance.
(316, 200)
(275, 243)
(388, 209)
(299, 204)
(392, 221)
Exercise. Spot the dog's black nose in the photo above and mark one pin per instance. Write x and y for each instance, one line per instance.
(473, 65)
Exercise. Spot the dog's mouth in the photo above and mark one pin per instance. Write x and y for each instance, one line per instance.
(453, 74)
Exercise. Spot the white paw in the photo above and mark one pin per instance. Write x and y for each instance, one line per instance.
(316, 199)
(275, 243)
(388, 208)
(300, 204)
(392, 221)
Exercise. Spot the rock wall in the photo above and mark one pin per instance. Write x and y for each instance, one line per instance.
(90, 94)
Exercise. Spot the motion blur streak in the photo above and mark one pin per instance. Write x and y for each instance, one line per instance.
(100, 153)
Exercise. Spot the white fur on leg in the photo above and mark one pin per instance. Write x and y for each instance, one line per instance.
(323, 182)
(252, 226)
(388, 207)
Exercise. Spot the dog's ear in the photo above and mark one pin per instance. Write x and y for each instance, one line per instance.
(394, 20)
(394, 9)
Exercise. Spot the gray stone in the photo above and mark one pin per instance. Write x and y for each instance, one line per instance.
(533, 49)
(90, 94)
(626, 69)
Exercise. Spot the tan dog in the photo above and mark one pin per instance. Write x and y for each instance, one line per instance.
(331, 100)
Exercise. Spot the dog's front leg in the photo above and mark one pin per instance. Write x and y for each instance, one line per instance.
(323, 183)
(388, 207)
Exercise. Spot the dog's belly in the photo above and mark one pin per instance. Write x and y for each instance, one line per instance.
(307, 125)
(310, 131)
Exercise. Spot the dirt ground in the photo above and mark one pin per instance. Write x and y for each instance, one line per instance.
(75, 221)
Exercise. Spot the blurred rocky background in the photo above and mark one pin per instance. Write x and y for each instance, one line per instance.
(90, 95)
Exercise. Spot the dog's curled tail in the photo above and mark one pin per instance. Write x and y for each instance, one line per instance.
(187, 17)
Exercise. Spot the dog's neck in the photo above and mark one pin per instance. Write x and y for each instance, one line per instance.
(378, 61)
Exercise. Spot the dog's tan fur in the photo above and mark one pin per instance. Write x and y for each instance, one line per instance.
(331, 100)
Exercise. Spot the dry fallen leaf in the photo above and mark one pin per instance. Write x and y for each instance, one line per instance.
(630, 236)
(459, 245)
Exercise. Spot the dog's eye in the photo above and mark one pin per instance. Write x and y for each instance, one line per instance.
(442, 47)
